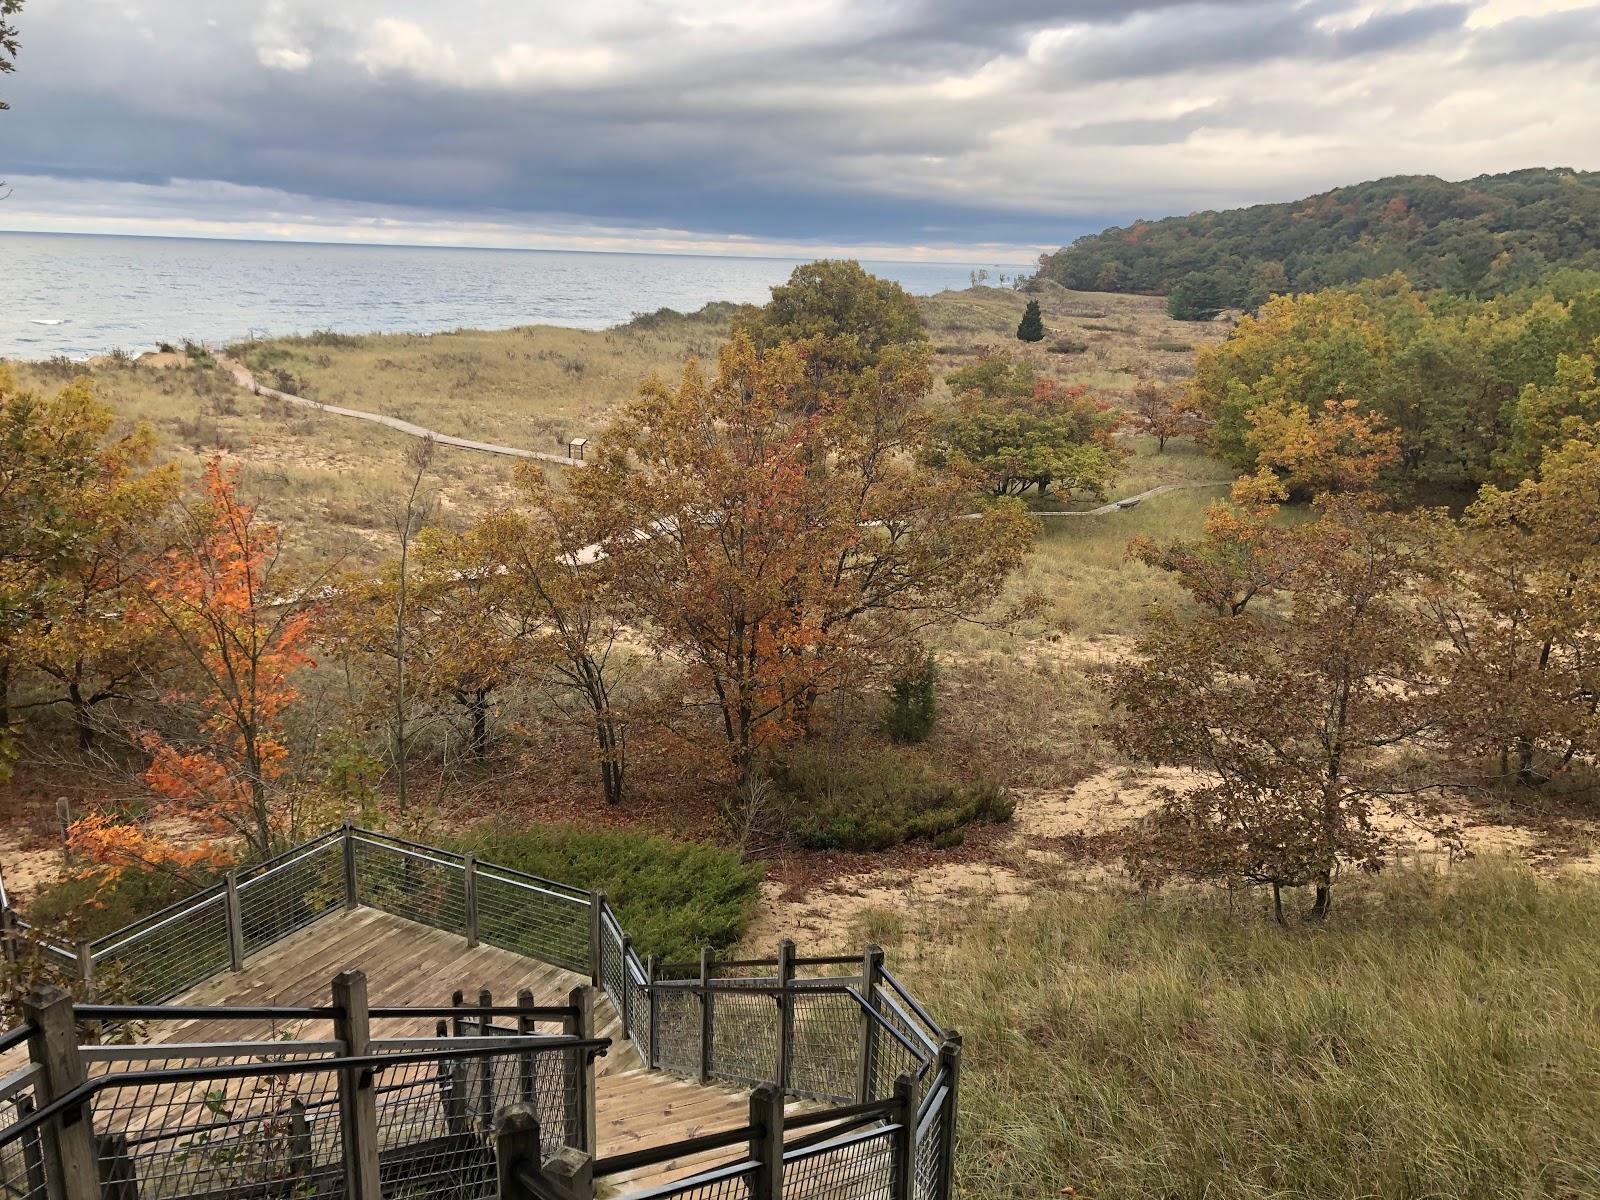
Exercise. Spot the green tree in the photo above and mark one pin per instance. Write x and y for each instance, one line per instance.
(1055, 436)
(841, 318)
(8, 40)
(1031, 327)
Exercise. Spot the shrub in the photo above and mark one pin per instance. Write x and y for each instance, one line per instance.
(673, 897)
(79, 908)
(913, 705)
(1172, 347)
(1067, 346)
(877, 797)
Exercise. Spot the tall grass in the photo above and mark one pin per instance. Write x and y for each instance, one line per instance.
(1441, 1038)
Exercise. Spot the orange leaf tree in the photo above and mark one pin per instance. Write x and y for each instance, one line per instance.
(780, 551)
(240, 626)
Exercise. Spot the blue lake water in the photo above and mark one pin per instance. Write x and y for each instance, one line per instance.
(79, 295)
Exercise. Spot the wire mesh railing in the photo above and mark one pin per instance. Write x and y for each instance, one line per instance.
(837, 1030)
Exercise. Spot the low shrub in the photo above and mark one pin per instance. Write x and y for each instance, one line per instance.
(875, 797)
(81, 908)
(1067, 346)
(673, 897)
(1172, 347)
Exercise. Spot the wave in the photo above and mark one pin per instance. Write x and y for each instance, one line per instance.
(48, 321)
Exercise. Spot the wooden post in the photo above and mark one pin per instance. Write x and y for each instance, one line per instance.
(86, 970)
(903, 1151)
(597, 907)
(299, 1139)
(785, 1013)
(458, 1023)
(68, 1144)
(470, 887)
(568, 1174)
(64, 820)
(8, 936)
(580, 1094)
(352, 894)
(485, 1065)
(235, 922)
(766, 1143)
(653, 1016)
(358, 1103)
(526, 1027)
(950, 1063)
(707, 1015)
(871, 981)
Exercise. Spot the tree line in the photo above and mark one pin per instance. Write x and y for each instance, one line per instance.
(1479, 237)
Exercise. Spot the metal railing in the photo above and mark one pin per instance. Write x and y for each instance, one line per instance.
(839, 1030)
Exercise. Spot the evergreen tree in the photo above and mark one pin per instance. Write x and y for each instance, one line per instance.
(1031, 327)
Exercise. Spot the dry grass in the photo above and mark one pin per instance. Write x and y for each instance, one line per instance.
(1437, 1039)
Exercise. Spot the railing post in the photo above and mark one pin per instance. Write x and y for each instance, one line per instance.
(903, 1164)
(581, 1095)
(485, 1065)
(871, 981)
(519, 1152)
(950, 1065)
(597, 906)
(8, 935)
(235, 922)
(785, 1013)
(70, 1166)
(766, 1143)
(358, 1103)
(707, 1029)
(627, 992)
(86, 969)
(470, 887)
(653, 1014)
(352, 894)
(526, 1027)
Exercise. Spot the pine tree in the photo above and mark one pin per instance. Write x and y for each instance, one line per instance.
(1031, 327)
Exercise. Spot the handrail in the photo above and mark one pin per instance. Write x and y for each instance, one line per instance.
(900, 990)
(159, 919)
(255, 871)
(69, 1105)
(615, 1164)
(16, 1036)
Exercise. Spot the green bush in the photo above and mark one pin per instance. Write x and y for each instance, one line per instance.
(673, 897)
(880, 796)
(913, 706)
(1067, 346)
(84, 908)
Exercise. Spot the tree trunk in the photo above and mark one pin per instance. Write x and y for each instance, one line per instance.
(1277, 902)
(80, 717)
(478, 707)
(5, 692)
(1323, 904)
(1526, 776)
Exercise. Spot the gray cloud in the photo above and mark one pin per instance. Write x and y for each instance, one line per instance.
(885, 121)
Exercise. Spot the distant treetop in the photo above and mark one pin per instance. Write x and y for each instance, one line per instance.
(1480, 236)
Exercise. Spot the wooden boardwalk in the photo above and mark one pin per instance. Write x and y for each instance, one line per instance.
(411, 964)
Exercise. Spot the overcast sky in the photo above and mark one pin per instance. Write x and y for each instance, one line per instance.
(969, 129)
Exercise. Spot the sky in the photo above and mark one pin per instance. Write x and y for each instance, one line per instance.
(960, 129)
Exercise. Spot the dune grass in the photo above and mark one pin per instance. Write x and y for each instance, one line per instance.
(1438, 1039)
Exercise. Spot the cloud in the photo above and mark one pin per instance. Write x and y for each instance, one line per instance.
(915, 122)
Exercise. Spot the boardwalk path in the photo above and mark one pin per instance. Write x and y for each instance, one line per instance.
(243, 377)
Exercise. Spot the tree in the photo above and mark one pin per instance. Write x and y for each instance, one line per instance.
(8, 40)
(409, 517)
(779, 556)
(1199, 296)
(1516, 591)
(841, 319)
(1288, 721)
(1031, 327)
(1339, 449)
(240, 624)
(1056, 436)
(544, 568)
(1548, 415)
(1245, 553)
(52, 452)
(1161, 413)
(95, 639)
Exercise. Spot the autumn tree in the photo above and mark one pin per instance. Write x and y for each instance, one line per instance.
(240, 624)
(1548, 415)
(841, 319)
(1288, 720)
(94, 639)
(544, 567)
(53, 450)
(1054, 436)
(1160, 412)
(1516, 590)
(1336, 448)
(1031, 327)
(779, 555)
(1245, 552)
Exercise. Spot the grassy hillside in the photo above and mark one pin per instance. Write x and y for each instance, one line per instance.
(1481, 235)
(1437, 1040)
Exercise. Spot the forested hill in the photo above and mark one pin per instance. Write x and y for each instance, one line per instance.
(1481, 236)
